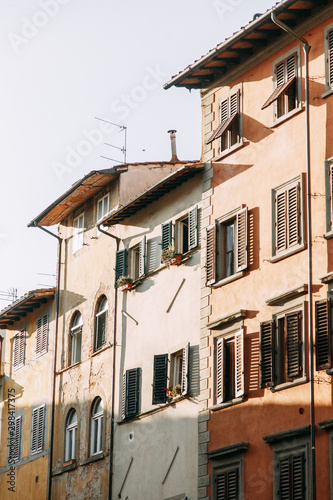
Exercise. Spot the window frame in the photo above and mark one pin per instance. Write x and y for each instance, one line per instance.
(216, 247)
(38, 421)
(328, 47)
(75, 335)
(71, 434)
(192, 218)
(99, 218)
(289, 248)
(329, 197)
(137, 259)
(42, 335)
(78, 233)
(19, 349)
(323, 334)
(98, 315)
(96, 427)
(225, 460)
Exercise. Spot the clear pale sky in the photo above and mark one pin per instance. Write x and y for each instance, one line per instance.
(65, 62)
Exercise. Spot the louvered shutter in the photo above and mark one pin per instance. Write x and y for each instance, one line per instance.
(18, 426)
(16, 351)
(19, 349)
(293, 346)
(220, 370)
(293, 215)
(142, 256)
(185, 369)
(239, 363)
(123, 397)
(101, 320)
(323, 334)
(160, 380)
(330, 58)
(132, 392)
(121, 263)
(42, 328)
(241, 240)
(280, 221)
(193, 228)
(166, 235)
(211, 255)
(37, 430)
(329, 194)
(292, 477)
(221, 489)
(227, 485)
(38, 336)
(266, 354)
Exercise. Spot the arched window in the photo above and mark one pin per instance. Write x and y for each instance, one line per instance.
(71, 431)
(96, 427)
(76, 338)
(101, 323)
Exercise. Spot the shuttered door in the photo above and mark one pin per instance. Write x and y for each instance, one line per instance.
(121, 264)
(166, 235)
(185, 369)
(142, 256)
(239, 364)
(193, 228)
(227, 485)
(323, 334)
(220, 370)
(241, 240)
(330, 57)
(292, 477)
(266, 354)
(132, 392)
(211, 255)
(160, 380)
(293, 345)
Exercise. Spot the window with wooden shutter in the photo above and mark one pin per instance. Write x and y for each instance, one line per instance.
(37, 430)
(227, 485)
(211, 255)
(329, 195)
(239, 364)
(229, 381)
(121, 264)
(323, 334)
(193, 233)
(15, 451)
(267, 354)
(185, 370)
(166, 235)
(285, 93)
(19, 341)
(160, 380)
(287, 213)
(42, 333)
(292, 477)
(142, 256)
(328, 33)
(241, 240)
(228, 131)
(132, 391)
(293, 346)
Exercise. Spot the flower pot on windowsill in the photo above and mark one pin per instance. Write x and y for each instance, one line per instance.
(126, 286)
(173, 393)
(124, 283)
(72, 461)
(176, 259)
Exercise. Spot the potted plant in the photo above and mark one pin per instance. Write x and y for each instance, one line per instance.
(124, 283)
(169, 255)
(173, 393)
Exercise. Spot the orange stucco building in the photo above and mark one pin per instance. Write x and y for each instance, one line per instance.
(267, 267)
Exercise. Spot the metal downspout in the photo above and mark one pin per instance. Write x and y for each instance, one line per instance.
(113, 371)
(307, 48)
(49, 478)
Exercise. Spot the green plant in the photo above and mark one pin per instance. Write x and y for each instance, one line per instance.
(122, 280)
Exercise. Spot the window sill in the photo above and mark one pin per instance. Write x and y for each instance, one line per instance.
(227, 152)
(101, 349)
(286, 117)
(161, 407)
(229, 279)
(232, 402)
(286, 385)
(328, 235)
(329, 371)
(326, 93)
(93, 458)
(288, 253)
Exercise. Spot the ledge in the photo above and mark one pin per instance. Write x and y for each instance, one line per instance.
(289, 294)
(237, 315)
(280, 436)
(93, 458)
(231, 278)
(326, 93)
(327, 425)
(105, 347)
(289, 115)
(328, 235)
(229, 151)
(232, 402)
(326, 278)
(161, 407)
(228, 450)
(287, 253)
(286, 385)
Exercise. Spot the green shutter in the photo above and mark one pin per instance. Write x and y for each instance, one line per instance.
(160, 380)
(193, 232)
(266, 354)
(166, 235)
(121, 264)
(132, 392)
(323, 334)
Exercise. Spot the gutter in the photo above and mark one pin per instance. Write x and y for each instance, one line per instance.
(307, 48)
(60, 240)
(113, 371)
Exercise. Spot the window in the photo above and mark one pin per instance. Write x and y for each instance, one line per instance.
(324, 331)
(101, 323)
(137, 259)
(78, 229)
(121, 264)
(19, 350)
(96, 434)
(178, 375)
(292, 476)
(102, 209)
(166, 235)
(70, 436)
(287, 216)
(131, 393)
(15, 441)
(76, 338)
(329, 195)
(37, 429)
(329, 56)
(187, 230)
(282, 349)
(286, 93)
(42, 333)
(229, 129)
(229, 363)
(228, 472)
(226, 254)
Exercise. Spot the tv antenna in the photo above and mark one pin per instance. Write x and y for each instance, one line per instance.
(123, 149)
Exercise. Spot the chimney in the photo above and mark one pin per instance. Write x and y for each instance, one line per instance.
(173, 145)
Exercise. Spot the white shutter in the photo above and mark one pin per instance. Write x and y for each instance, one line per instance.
(37, 439)
(42, 328)
(291, 67)
(241, 240)
(123, 397)
(193, 228)
(293, 215)
(185, 370)
(211, 255)
(142, 256)
(220, 370)
(18, 425)
(224, 110)
(38, 335)
(234, 104)
(239, 363)
(280, 221)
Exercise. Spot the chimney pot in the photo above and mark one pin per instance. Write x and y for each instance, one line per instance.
(173, 145)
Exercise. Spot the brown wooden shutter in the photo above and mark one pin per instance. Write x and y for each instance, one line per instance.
(292, 477)
(330, 58)
(280, 221)
(267, 354)
(241, 240)
(331, 195)
(293, 215)
(239, 363)
(142, 256)
(211, 255)
(323, 334)
(220, 370)
(227, 485)
(193, 229)
(293, 346)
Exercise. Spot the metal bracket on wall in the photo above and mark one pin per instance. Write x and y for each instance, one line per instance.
(175, 296)
(129, 316)
(172, 461)
(122, 486)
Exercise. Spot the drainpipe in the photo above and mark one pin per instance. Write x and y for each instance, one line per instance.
(307, 48)
(113, 370)
(60, 240)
